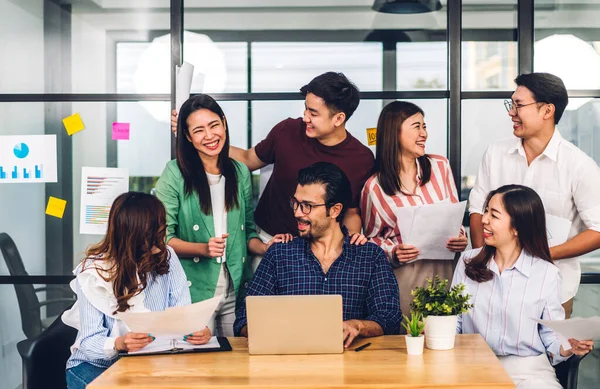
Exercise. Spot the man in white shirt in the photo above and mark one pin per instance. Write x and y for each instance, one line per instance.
(567, 180)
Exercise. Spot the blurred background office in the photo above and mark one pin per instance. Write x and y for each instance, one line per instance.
(111, 61)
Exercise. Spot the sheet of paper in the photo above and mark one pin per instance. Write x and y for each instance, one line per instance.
(27, 159)
(577, 328)
(178, 321)
(404, 218)
(120, 131)
(558, 229)
(432, 226)
(164, 343)
(73, 124)
(56, 207)
(99, 188)
(185, 73)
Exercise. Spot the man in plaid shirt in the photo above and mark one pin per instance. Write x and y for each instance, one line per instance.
(322, 260)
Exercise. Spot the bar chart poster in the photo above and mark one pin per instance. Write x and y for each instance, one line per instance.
(27, 159)
(99, 188)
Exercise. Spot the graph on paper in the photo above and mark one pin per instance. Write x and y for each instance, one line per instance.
(27, 159)
(99, 188)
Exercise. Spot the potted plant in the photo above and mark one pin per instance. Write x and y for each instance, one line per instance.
(414, 333)
(440, 306)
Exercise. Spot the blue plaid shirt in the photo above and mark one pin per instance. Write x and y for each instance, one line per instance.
(362, 275)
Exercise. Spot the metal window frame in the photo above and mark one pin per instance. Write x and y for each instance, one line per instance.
(454, 36)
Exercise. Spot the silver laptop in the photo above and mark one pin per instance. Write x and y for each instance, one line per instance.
(310, 324)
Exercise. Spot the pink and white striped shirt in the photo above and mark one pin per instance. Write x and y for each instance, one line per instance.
(505, 306)
(379, 219)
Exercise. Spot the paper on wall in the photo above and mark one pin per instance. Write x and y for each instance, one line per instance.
(28, 159)
(99, 188)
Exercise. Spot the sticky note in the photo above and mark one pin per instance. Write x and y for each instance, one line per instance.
(56, 207)
(372, 136)
(73, 124)
(120, 131)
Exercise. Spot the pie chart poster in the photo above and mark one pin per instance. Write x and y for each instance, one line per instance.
(27, 159)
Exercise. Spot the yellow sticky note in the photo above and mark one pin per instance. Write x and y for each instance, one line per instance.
(372, 136)
(56, 207)
(73, 124)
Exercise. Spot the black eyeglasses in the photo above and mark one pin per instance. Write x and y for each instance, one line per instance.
(509, 105)
(305, 208)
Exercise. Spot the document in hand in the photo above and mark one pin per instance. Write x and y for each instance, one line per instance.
(557, 229)
(185, 74)
(577, 328)
(428, 227)
(176, 321)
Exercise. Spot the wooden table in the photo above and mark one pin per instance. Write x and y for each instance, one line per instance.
(384, 364)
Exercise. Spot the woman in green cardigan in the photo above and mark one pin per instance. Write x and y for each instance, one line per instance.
(208, 197)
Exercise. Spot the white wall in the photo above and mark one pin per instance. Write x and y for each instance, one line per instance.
(22, 206)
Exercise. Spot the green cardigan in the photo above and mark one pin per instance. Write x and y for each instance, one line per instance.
(186, 221)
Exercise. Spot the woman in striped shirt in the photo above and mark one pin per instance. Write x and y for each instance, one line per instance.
(512, 281)
(406, 177)
(131, 269)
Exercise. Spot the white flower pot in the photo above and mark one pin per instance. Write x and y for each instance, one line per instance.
(414, 344)
(440, 332)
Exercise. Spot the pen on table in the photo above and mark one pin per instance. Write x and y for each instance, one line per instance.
(364, 346)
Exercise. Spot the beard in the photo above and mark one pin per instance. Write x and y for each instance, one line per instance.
(313, 231)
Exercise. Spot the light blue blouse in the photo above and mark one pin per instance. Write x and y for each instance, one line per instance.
(506, 305)
(96, 328)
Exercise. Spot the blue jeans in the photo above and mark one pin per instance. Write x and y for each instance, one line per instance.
(81, 375)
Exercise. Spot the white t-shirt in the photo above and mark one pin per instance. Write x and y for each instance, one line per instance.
(217, 197)
(565, 178)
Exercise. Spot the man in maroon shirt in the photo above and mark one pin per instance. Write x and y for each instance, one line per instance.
(293, 144)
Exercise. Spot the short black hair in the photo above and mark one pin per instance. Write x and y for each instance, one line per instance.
(546, 88)
(337, 185)
(338, 92)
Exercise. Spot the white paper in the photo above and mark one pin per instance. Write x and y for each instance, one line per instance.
(164, 343)
(27, 159)
(558, 230)
(183, 86)
(577, 328)
(173, 322)
(99, 188)
(430, 227)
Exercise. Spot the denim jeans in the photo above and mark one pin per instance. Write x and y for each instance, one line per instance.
(80, 376)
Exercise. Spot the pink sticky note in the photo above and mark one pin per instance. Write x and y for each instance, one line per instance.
(120, 131)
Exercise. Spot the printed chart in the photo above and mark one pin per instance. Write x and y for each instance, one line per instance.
(99, 188)
(27, 159)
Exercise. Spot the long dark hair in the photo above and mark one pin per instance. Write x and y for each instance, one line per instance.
(190, 164)
(387, 165)
(528, 217)
(136, 224)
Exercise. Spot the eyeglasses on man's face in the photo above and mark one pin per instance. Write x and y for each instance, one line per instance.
(305, 207)
(509, 105)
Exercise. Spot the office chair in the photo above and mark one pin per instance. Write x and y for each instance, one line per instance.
(567, 371)
(29, 304)
(45, 356)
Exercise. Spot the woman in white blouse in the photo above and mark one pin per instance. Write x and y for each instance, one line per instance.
(130, 270)
(512, 281)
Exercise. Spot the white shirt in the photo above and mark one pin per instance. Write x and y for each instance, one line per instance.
(505, 306)
(217, 198)
(566, 179)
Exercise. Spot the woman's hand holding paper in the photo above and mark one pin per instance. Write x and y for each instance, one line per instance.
(199, 337)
